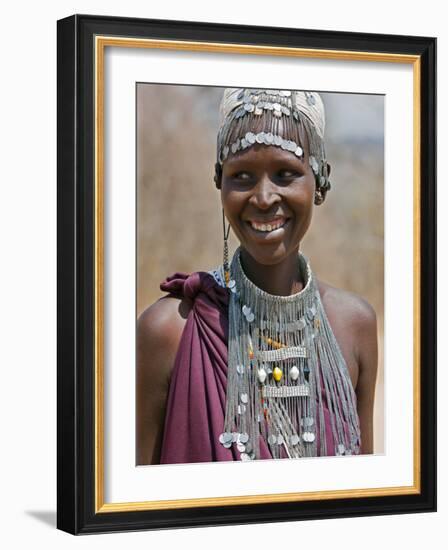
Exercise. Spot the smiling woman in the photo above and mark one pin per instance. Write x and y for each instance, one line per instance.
(258, 358)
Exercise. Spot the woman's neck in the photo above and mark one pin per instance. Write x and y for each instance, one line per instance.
(282, 279)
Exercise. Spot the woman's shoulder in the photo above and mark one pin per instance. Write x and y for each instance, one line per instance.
(165, 319)
(350, 305)
(352, 318)
(159, 330)
(160, 318)
(161, 324)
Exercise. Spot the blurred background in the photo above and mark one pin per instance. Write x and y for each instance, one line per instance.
(179, 219)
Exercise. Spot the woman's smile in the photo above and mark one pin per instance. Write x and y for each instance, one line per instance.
(268, 231)
(268, 225)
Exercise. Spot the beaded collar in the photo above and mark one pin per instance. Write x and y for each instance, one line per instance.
(282, 355)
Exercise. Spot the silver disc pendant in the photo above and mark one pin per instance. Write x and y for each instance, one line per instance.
(294, 439)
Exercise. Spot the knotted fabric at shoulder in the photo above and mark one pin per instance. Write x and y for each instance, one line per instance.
(189, 286)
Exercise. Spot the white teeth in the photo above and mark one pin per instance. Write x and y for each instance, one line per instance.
(267, 228)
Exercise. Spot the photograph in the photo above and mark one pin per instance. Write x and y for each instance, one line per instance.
(260, 259)
(246, 263)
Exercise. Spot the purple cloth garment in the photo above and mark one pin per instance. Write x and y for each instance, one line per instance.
(197, 394)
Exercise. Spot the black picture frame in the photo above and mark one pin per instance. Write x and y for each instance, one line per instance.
(77, 474)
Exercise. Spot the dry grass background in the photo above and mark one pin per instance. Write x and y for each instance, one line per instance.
(179, 224)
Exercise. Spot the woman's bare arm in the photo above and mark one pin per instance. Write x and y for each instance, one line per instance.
(159, 329)
(367, 356)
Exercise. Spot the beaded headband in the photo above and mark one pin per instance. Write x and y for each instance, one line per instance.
(283, 118)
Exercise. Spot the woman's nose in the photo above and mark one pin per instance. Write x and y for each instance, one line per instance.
(265, 193)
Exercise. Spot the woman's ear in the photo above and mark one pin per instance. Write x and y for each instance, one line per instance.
(218, 175)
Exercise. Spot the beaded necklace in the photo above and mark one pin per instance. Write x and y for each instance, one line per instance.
(282, 354)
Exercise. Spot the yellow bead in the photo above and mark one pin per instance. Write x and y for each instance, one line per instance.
(277, 374)
(269, 341)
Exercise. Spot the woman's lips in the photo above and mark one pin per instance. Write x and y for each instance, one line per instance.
(267, 226)
(267, 231)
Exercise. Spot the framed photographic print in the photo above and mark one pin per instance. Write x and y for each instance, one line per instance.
(246, 274)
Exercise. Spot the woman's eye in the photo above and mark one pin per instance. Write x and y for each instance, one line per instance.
(288, 174)
(242, 176)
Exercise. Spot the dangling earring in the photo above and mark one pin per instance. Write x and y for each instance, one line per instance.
(318, 197)
(226, 249)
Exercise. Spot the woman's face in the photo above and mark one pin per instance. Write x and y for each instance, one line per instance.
(268, 197)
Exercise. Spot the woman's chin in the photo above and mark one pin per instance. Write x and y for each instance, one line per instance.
(266, 255)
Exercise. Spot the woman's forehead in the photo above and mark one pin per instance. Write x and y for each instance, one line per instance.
(260, 154)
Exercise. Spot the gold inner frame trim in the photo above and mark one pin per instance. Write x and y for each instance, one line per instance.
(101, 42)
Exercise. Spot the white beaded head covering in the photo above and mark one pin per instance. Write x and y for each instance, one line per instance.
(288, 119)
(308, 103)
